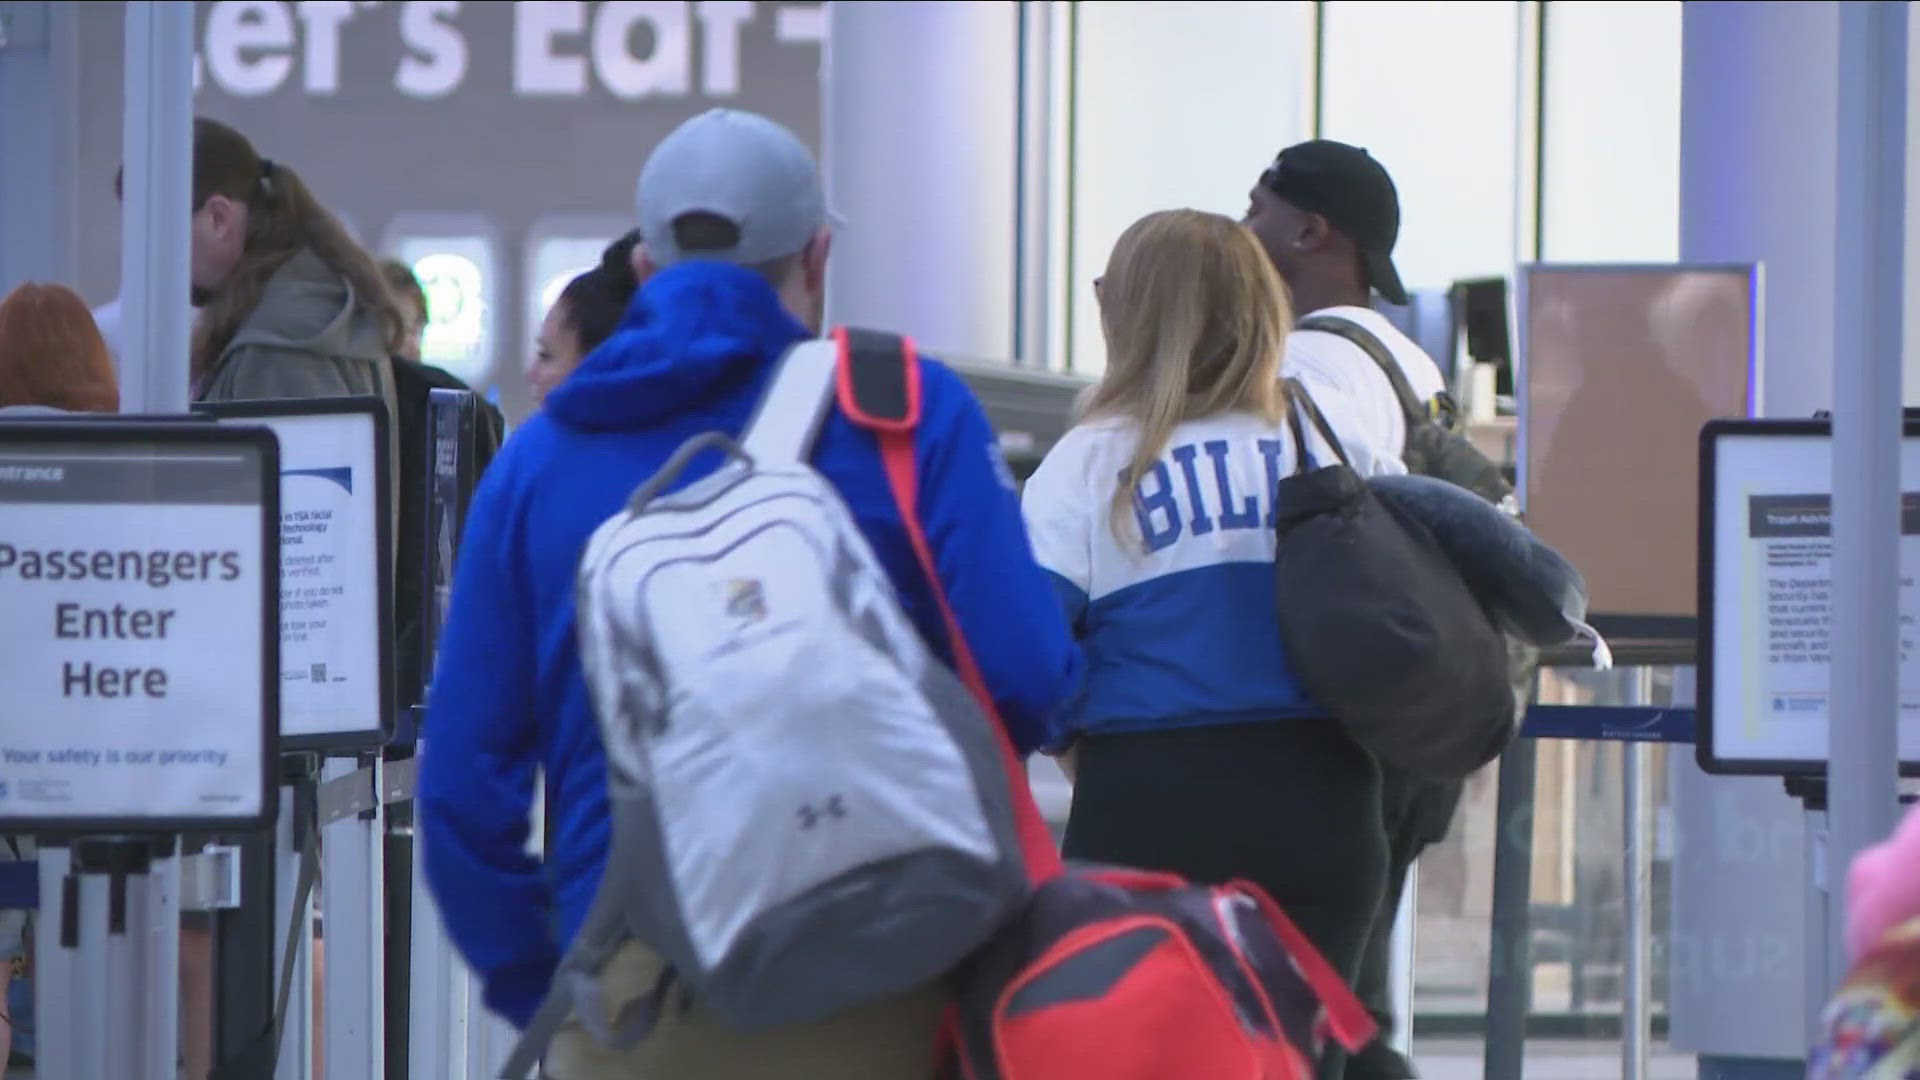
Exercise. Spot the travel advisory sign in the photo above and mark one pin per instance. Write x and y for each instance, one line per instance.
(335, 559)
(139, 569)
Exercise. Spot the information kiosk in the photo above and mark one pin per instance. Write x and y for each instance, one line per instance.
(1766, 570)
(1766, 582)
(336, 710)
(140, 566)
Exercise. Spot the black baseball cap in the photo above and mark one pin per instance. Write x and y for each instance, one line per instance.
(1353, 192)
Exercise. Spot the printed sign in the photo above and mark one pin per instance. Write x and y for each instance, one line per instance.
(335, 585)
(138, 565)
(1769, 558)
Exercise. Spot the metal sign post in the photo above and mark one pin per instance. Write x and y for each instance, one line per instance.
(353, 884)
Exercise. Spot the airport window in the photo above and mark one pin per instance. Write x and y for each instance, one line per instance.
(1610, 170)
(1155, 126)
(1433, 91)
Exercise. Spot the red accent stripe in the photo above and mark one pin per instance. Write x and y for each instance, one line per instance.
(897, 455)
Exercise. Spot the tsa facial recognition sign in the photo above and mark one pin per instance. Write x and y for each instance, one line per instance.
(335, 626)
(138, 626)
(1767, 682)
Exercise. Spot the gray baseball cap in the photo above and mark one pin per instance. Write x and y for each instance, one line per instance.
(741, 167)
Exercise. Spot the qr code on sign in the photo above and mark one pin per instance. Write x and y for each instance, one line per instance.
(317, 672)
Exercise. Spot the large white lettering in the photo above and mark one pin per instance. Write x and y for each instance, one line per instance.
(248, 42)
(436, 59)
(721, 22)
(323, 19)
(664, 70)
(537, 68)
(635, 49)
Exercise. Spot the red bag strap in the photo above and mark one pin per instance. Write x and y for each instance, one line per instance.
(879, 389)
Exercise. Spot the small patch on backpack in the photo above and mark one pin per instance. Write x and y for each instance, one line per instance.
(746, 599)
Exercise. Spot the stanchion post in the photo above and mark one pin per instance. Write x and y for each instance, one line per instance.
(1636, 789)
(353, 1012)
(295, 1061)
(1400, 980)
(1510, 966)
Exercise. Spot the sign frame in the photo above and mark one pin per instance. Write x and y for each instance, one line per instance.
(1674, 635)
(82, 432)
(356, 740)
(1705, 750)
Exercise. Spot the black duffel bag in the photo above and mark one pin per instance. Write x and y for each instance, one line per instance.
(1381, 629)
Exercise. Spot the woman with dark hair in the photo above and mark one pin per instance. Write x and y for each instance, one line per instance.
(290, 306)
(586, 313)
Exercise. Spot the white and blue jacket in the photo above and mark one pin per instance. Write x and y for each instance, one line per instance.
(1178, 622)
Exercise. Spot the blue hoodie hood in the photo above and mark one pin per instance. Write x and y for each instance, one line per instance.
(694, 333)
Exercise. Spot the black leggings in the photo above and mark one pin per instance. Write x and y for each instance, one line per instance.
(1291, 805)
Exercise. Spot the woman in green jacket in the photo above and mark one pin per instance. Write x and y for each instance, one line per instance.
(290, 306)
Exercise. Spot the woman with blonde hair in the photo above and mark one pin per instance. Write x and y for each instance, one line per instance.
(1196, 750)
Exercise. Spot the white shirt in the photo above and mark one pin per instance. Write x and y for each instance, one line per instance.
(1330, 363)
(107, 318)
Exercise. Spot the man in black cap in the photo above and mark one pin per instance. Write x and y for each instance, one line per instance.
(1328, 216)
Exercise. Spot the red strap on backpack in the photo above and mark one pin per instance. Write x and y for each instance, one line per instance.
(878, 387)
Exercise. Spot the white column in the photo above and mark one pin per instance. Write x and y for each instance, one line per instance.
(1871, 198)
(1793, 140)
(157, 142)
(1759, 94)
(920, 137)
(39, 109)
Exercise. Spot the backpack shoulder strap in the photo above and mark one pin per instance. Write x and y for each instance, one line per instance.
(787, 420)
(1375, 349)
(879, 389)
(1299, 402)
(879, 383)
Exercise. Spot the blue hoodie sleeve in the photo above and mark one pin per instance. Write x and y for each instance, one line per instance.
(478, 760)
(1004, 602)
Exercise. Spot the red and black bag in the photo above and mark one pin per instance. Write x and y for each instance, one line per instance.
(1109, 973)
(1129, 975)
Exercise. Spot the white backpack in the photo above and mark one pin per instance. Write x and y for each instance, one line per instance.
(809, 810)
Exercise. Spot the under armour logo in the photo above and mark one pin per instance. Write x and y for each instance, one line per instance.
(810, 815)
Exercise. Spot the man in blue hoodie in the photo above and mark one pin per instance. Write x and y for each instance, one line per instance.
(734, 243)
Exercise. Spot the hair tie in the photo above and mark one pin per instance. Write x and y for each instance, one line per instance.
(266, 175)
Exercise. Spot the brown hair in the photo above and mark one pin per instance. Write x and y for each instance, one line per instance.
(1195, 320)
(52, 354)
(282, 218)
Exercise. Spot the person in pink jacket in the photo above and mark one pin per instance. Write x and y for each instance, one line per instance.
(1873, 1024)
